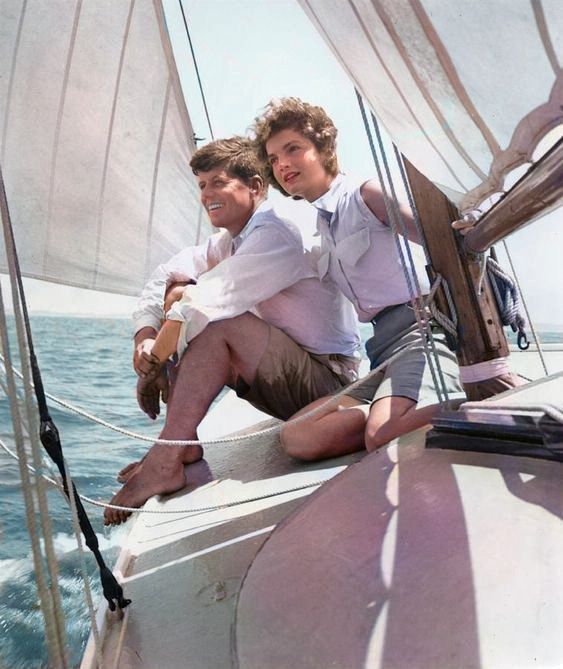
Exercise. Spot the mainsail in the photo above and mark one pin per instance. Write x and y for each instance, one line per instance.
(466, 90)
(95, 141)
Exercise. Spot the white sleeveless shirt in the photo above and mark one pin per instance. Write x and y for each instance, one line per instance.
(359, 252)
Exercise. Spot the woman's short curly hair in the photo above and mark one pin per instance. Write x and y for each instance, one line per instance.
(309, 120)
(236, 155)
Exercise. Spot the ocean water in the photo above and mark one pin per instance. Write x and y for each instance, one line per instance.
(86, 361)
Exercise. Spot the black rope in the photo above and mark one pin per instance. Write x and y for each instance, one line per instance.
(197, 73)
(50, 439)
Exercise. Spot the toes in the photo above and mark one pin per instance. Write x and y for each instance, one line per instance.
(122, 474)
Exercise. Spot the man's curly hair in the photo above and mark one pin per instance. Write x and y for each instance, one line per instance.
(310, 121)
(236, 155)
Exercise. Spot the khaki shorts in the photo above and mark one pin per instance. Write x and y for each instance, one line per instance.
(288, 377)
(409, 375)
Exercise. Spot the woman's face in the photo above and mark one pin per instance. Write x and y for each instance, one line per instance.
(297, 165)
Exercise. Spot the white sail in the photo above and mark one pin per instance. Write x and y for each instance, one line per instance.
(465, 89)
(95, 141)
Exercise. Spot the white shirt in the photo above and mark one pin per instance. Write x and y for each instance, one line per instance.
(265, 270)
(359, 252)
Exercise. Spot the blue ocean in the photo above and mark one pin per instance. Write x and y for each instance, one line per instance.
(86, 361)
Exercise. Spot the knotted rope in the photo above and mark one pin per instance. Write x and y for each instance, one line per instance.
(508, 301)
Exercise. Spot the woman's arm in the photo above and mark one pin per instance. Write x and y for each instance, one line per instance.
(373, 197)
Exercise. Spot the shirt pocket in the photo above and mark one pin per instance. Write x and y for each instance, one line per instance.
(350, 249)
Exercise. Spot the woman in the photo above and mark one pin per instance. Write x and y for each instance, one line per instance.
(297, 142)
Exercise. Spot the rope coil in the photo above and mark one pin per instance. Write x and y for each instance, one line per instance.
(508, 301)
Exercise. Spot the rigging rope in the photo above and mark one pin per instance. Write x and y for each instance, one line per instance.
(196, 69)
(84, 570)
(269, 430)
(226, 439)
(48, 432)
(396, 219)
(105, 505)
(441, 318)
(47, 584)
(47, 605)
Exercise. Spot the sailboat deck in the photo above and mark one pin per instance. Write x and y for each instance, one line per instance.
(184, 570)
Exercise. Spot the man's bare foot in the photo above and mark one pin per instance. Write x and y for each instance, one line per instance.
(161, 472)
(190, 454)
(125, 473)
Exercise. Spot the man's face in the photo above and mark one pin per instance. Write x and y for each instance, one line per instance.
(297, 165)
(228, 200)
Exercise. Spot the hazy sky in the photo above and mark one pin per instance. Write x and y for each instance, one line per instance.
(252, 50)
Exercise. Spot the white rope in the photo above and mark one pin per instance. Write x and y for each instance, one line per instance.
(56, 653)
(448, 324)
(274, 428)
(239, 438)
(223, 440)
(40, 491)
(56, 635)
(203, 509)
(83, 569)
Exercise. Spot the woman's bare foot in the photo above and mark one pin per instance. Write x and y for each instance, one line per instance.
(160, 472)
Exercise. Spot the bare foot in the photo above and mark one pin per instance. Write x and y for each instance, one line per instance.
(189, 456)
(125, 473)
(161, 472)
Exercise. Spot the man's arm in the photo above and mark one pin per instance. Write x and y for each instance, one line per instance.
(165, 344)
(269, 260)
(373, 197)
(147, 318)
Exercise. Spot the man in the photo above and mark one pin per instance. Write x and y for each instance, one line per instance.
(297, 143)
(253, 316)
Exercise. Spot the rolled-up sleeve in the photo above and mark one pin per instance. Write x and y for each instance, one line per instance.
(187, 265)
(269, 260)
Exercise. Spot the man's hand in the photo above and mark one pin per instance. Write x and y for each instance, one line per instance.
(149, 366)
(143, 347)
(149, 392)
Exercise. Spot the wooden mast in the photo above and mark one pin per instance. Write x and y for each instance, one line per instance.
(480, 332)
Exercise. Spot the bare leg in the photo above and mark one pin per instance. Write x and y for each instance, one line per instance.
(338, 429)
(343, 427)
(392, 416)
(224, 351)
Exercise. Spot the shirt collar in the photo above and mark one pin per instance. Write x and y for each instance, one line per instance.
(252, 222)
(326, 203)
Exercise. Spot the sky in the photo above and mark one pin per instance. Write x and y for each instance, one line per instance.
(250, 51)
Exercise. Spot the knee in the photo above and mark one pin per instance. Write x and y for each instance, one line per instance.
(378, 434)
(227, 328)
(298, 443)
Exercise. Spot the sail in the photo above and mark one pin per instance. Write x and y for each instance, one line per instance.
(95, 142)
(466, 90)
